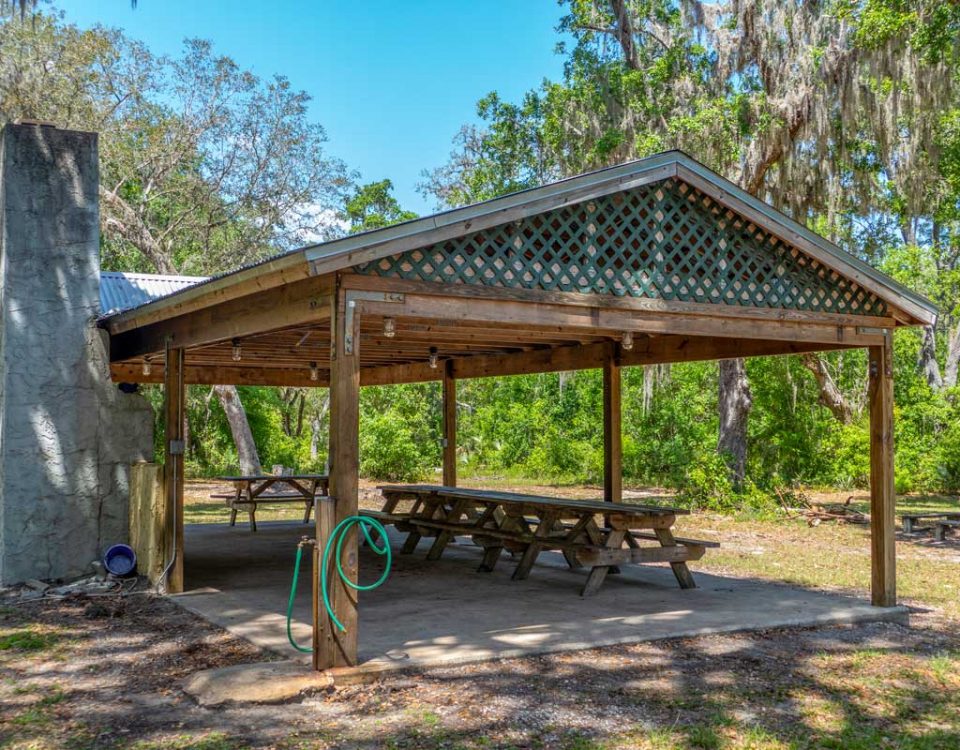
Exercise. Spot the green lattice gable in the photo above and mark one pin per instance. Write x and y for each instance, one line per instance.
(665, 241)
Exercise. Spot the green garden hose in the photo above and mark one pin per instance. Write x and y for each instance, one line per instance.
(335, 543)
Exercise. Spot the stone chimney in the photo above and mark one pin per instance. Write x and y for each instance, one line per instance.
(67, 434)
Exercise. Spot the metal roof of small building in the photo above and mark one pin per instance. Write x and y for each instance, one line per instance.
(124, 291)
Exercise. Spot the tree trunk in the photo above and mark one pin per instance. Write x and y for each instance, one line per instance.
(240, 429)
(927, 359)
(735, 403)
(123, 219)
(649, 375)
(953, 359)
(314, 438)
(623, 30)
(830, 394)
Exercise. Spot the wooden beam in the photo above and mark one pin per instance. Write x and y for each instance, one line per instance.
(882, 498)
(609, 301)
(126, 372)
(770, 328)
(612, 431)
(173, 448)
(306, 301)
(324, 637)
(653, 350)
(344, 469)
(449, 425)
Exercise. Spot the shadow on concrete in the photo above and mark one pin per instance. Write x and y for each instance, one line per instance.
(445, 612)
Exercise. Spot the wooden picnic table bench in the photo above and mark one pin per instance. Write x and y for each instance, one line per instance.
(910, 520)
(260, 489)
(530, 524)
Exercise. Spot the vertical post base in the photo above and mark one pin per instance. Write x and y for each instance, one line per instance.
(882, 498)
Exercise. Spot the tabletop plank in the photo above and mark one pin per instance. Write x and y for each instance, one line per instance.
(275, 477)
(516, 498)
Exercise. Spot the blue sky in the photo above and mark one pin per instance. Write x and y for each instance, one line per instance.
(392, 80)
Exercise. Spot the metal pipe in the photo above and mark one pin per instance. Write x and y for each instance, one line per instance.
(171, 494)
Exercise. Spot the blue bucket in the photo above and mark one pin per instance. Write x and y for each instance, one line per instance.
(120, 560)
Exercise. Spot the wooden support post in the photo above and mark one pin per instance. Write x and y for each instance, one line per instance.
(449, 426)
(324, 636)
(173, 411)
(612, 434)
(344, 470)
(882, 498)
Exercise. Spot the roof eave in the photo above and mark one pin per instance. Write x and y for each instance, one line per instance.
(210, 287)
(917, 308)
(356, 249)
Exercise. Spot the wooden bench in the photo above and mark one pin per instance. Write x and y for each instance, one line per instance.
(910, 520)
(528, 525)
(235, 503)
(941, 528)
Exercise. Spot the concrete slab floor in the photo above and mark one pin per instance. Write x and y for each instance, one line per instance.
(430, 613)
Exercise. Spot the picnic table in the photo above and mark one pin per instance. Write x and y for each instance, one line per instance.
(251, 491)
(529, 524)
(911, 520)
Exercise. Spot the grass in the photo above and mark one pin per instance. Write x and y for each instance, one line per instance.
(213, 741)
(27, 639)
(831, 555)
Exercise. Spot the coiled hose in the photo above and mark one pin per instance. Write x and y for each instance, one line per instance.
(335, 543)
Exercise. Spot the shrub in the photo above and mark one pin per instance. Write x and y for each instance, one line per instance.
(707, 486)
(388, 450)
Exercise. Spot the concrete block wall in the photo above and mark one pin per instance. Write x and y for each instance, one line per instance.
(67, 434)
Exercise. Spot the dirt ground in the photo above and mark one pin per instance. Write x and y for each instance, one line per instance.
(105, 673)
(82, 673)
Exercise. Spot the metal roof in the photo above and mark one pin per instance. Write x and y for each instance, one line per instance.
(124, 291)
(363, 247)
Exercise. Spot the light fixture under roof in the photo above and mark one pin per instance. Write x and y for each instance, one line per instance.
(434, 358)
(626, 341)
(147, 366)
(314, 371)
(389, 327)
(237, 353)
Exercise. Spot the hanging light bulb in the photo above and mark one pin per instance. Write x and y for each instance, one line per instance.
(314, 372)
(389, 327)
(147, 367)
(434, 359)
(237, 352)
(626, 341)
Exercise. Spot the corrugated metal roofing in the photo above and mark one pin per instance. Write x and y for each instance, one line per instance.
(124, 291)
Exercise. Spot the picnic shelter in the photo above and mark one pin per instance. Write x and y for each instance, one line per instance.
(654, 261)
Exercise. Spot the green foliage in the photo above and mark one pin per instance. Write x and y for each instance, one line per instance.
(373, 206)
(185, 193)
(27, 640)
(388, 451)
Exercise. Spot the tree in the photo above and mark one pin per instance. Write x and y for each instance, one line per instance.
(204, 166)
(827, 110)
(373, 206)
